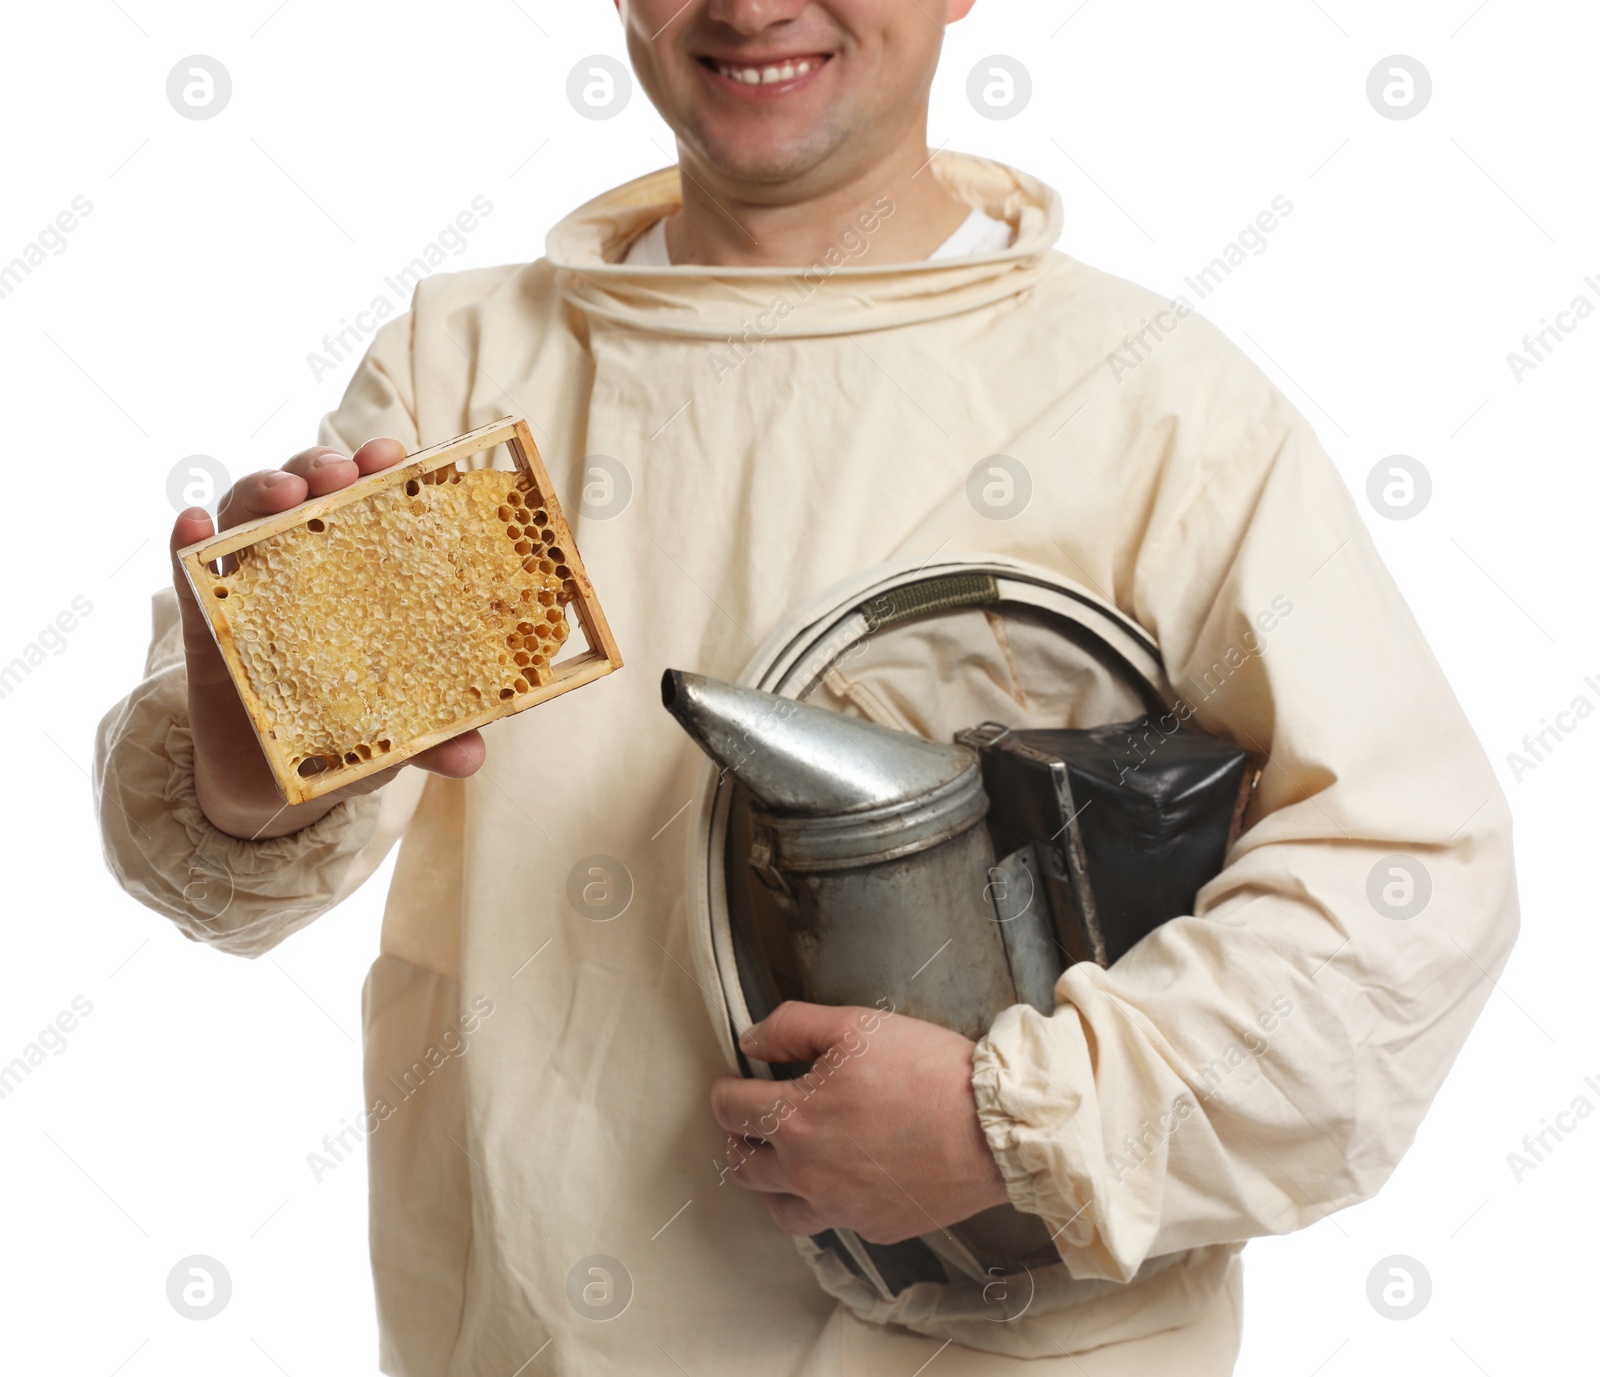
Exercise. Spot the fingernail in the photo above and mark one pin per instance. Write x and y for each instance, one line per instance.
(323, 460)
(273, 479)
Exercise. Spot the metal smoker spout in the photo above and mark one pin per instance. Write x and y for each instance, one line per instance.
(801, 761)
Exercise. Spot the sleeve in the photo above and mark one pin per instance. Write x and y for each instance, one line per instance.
(243, 897)
(1256, 1065)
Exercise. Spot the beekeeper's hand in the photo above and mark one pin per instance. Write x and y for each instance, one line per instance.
(232, 780)
(882, 1135)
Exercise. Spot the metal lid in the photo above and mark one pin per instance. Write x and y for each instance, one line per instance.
(841, 841)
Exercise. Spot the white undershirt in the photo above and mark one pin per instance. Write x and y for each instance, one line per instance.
(978, 233)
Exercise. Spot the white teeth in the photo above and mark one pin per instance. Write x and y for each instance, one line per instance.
(767, 76)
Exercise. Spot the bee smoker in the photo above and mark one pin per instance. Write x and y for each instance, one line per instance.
(868, 841)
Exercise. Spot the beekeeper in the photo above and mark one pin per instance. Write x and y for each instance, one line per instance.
(756, 374)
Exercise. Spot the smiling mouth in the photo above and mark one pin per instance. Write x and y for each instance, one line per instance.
(772, 73)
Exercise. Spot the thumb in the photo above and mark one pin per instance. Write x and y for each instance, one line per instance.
(795, 1032)
(192, 526)
(205, 663)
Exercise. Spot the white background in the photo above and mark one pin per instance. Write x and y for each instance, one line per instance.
(218, 253)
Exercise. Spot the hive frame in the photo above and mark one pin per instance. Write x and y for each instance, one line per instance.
(600, 658)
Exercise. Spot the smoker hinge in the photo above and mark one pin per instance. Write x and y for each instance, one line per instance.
(762, 858)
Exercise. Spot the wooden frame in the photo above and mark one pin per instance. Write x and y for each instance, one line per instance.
(600, 657)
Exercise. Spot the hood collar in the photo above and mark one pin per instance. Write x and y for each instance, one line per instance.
(715, 302)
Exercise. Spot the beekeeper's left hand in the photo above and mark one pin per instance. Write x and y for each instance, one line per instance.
(882, 1135)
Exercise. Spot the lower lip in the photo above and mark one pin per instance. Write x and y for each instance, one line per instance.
(765, 91)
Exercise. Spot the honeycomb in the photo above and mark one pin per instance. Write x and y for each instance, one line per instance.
(404, 615)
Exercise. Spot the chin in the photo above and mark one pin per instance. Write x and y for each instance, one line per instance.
(762, 155)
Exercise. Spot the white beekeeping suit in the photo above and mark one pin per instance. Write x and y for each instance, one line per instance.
(779, 431)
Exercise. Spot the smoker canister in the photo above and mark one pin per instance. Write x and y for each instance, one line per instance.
(871, 841)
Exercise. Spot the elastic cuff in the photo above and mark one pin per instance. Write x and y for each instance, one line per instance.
(230, 855)
(1030, 1192)
(247, 896)
(1027, 1077)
